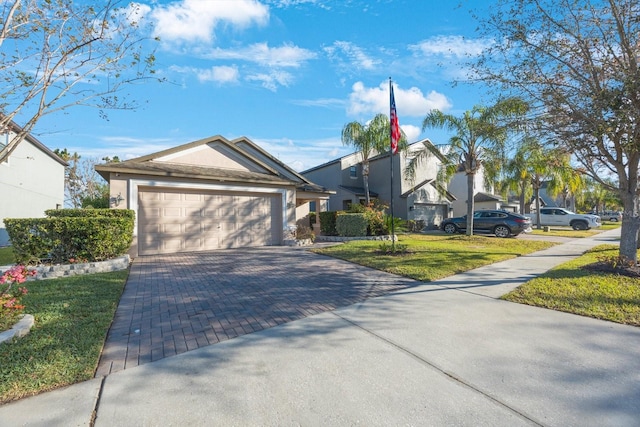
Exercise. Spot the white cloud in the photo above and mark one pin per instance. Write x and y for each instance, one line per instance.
(221, 74)
(124, 147)
(302, 155)
(273, 79)
(196, 20)
(321, 102)
(450, 47)
(412, 102)
(412, 132)
(260, 53)
(356, 57)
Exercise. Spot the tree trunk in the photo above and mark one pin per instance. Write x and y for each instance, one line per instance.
(522, 198)
(629, 230)
(536, 192)
(365, 180)
(470, 204)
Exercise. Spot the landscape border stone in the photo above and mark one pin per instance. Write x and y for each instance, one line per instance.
(349, 239)
(18, 330)
(65, 270)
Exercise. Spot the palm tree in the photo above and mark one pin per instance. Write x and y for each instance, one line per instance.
(479, 134)
(550, 165)
(517, 176)
(369, 139)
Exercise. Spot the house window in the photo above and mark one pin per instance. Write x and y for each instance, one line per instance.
(353, 171)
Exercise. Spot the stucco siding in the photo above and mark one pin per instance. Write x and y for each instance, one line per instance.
(30, 183)
(330, 177)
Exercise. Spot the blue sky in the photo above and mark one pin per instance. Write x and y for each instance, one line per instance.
(288, 74)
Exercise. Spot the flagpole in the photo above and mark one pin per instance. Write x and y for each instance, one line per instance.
(391, 101)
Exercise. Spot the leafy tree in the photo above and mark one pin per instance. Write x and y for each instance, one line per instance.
(599, 198)
(546, 165)
(577, 63)
(82, 184)
(517, 176)
(478, 136)
(62, 53)
(370, 139)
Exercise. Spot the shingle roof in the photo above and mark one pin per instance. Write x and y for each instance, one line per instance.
(179, 170)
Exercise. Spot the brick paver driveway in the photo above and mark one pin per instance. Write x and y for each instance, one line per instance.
(175, 303)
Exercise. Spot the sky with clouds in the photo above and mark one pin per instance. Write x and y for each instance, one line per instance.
(287, 74)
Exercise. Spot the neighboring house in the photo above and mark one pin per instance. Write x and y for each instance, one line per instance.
(210, 194)
(416, 199)
(31, 179)
(558, 201)
(483, 197)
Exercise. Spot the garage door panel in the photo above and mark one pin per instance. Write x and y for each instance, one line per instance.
(171, 244)
(169, 196)
(173, 221)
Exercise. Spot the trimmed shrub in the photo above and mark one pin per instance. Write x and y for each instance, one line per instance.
(375, 218)
(351, 225)
(104, 213)
(328, 223)
(90, 235)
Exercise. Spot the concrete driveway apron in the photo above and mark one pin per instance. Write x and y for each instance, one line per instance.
(180, 302)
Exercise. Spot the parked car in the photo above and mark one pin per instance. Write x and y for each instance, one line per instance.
(498, 222)
(612, 216)
(553, 216)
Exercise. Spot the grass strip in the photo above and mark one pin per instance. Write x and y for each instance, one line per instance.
(572, 289)
(72, 317)
(432, 257)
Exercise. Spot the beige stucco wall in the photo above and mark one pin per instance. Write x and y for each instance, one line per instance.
(212, 154)
(31, 182)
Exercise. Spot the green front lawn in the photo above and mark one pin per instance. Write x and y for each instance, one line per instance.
(72, 317)
(568, 287)
(573, 289)
(432, 257)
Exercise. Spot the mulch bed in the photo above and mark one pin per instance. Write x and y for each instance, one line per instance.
(608, 268)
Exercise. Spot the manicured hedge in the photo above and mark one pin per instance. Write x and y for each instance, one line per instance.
(80, 234)
(352, 224)
(328, 223)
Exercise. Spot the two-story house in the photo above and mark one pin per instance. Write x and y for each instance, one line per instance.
(31, 179)
(483, 198)
(413, 199)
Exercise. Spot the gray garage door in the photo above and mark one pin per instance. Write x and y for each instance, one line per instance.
(184, 220)
(431, 214)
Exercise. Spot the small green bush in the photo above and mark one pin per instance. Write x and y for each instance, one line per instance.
(399, 225)
(352, 224)
(375, 218)
(328, 223)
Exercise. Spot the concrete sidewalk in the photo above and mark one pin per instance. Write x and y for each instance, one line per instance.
(442, 353)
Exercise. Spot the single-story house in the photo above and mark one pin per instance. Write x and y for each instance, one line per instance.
(210, 194)
(31, 179)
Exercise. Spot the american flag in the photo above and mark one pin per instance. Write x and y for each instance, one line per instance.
(395, 126)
